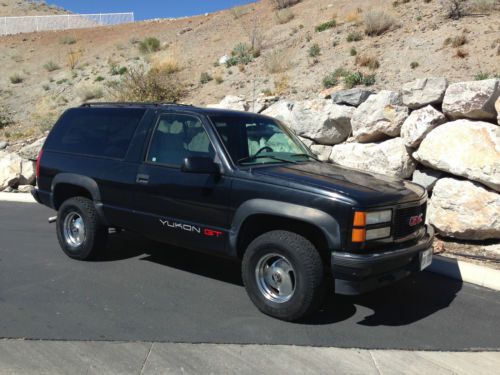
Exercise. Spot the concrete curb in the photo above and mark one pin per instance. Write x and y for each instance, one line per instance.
(467, 272)
(17, 197)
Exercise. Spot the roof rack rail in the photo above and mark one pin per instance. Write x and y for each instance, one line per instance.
(153, 104)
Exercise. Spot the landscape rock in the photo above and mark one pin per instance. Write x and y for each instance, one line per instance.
(353, 97)
(25, 188)
(464, 148)
(321, 151)
(32, 150)
(425, 91)
(389, 157)
(282, 111)
(465, 210)
(3, 145)
(28, 172)
(426, 177)
(322, 121)
(232, 102)
(223, 60)
(473, 100)
(10, 169)
(307, 142)
(419, 124)
(262, 103)
(379, 117)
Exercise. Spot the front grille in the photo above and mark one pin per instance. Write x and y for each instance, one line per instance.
(402, 226)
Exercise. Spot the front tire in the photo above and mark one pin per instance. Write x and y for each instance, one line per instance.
(80, 232)
(283, 275)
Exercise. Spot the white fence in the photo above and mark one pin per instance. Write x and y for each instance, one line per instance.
(28, 24)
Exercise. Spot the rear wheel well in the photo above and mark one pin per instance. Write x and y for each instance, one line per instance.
(64, 191)
(256, 225)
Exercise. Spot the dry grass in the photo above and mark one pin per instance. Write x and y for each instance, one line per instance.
(282, 84)
(368, 61)
(282, 4)
(168, 62)
(73, 58)
(354, 16)
(377, 22)
(90, 92)
(47, 111)
(278, 61)
(459, 41)
(283, 16)
(239, 11)
(461, 53)
(483, 6)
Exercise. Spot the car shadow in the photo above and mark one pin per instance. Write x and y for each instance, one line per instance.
(402, 303)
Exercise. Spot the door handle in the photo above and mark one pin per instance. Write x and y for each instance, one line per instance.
(142, 179)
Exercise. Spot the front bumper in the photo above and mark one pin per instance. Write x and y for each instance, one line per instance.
(360, 273)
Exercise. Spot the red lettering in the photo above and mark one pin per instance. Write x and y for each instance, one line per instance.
(212, 233)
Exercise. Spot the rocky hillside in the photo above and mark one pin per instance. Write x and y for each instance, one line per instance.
(9, 8)
(294, 52)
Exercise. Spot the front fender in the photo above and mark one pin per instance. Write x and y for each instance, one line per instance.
(325, 222)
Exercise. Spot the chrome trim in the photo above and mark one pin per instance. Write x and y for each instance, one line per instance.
(275, 278)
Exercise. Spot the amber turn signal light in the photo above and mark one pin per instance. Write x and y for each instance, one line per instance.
(358, 235)
(359, 219)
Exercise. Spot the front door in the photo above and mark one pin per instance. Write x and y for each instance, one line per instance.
(180, 208)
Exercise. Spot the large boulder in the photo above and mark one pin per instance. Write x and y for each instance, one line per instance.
(464, 148)
(473, 100)
(232, 102)
(32, 150)
(281, 110)
(28, 172)
(322, 152)
(464, 210)
(419, 123)
(425, 91)
(389, 157)
(322, 121)
(426, 177)
(379, 117)
(10, 169)
(353, 97)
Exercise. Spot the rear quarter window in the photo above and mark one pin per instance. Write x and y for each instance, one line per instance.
(103, 132)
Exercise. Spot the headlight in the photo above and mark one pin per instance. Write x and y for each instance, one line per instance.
(377, 217)
(373, 234)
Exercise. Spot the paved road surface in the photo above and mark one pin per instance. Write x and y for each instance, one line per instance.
(140, 291)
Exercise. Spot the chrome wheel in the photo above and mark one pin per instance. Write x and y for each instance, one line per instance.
(74, 229)
(275, 278)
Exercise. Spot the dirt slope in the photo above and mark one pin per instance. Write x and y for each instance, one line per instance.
(419, 36)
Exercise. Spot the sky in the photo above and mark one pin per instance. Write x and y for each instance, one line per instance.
(147, 9)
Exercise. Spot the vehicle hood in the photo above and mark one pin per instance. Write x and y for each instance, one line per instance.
(366, 188)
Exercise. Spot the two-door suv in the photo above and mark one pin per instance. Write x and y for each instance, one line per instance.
(233, 184)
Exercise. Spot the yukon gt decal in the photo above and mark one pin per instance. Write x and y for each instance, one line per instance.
(207, 232)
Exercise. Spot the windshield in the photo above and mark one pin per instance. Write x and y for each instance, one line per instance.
(254, 140)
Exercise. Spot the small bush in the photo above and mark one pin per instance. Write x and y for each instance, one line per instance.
(282, 4)
(99, 78)
(354, 16)
(218, 79)
(281, 84)
(325, 26)
(330, 80)
(149, 45)
(368, 80)
(314, 50)
(89, 92)
(205, 78)
(414, 65)
(154, 85)
(481, 76)
(16, 78)
(242, 54)
(6, 117)
(353, 51)
(50, 66)
(284, 16)
(454, 9)
(354, 36)
(168, 62)
(352, 79)
(68, 40)
(368, 61)
(459, 41)
(73, 58)
(277, 61)
(378, 22)
(118, 71)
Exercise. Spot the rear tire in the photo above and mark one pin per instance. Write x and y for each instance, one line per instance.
(283, 275)
(80, 232)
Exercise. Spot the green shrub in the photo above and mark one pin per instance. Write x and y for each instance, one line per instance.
(5, 117)
(205, 78)
(354, 36)
(414, 65)
(50, 66)
(68, 40)
(326, 25)
(149, 45)
(99, 78)
(352, 79)
(353, 52)
(242, 54)
(368, 79)
(118, 71)
(314, 50)
(16, 78)
(481, 76)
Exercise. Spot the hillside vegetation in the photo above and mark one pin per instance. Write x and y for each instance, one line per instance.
(274, 47)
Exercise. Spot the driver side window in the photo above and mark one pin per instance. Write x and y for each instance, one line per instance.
(176, 137)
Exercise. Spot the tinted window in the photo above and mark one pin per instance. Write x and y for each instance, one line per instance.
(176, 137)
(96, 131)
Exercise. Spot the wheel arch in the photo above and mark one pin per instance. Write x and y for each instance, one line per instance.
(258, 216)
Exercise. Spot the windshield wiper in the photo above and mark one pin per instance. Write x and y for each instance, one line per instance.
(307, 155)
(255, 157)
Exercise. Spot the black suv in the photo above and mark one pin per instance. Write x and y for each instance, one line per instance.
(234, 184)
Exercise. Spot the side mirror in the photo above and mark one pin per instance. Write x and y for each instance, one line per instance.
(197, 164)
